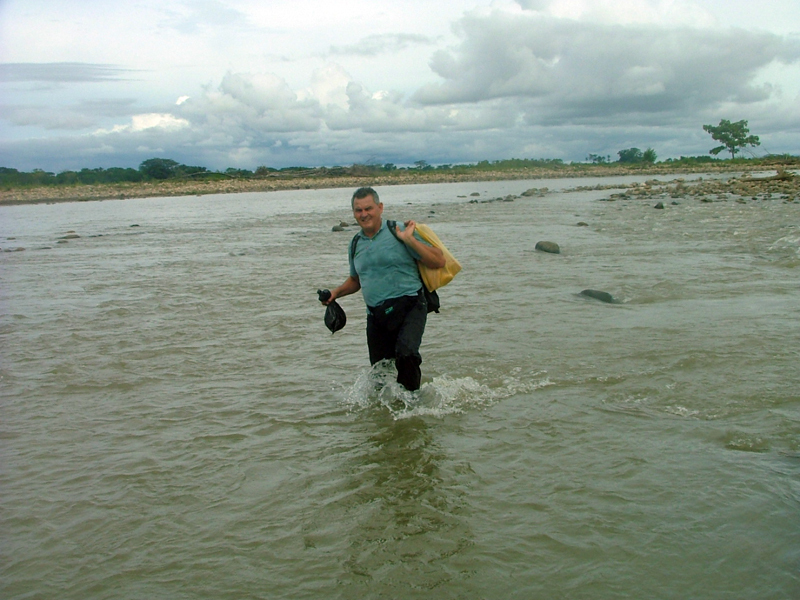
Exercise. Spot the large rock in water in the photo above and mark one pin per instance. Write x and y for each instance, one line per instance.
(550, 247)
(598, 295)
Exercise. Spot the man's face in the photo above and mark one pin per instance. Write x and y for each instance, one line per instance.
(368, 214)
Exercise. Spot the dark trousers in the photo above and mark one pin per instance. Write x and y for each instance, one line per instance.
(394, 330)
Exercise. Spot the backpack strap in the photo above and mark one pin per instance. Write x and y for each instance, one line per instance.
(353, 244)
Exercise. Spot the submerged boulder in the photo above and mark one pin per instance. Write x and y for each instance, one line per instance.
(550, 247)
(599, 295)
(540, 192)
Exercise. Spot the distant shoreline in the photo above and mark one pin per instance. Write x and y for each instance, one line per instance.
(169, 188)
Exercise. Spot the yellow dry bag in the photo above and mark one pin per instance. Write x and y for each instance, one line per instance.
(436, 278)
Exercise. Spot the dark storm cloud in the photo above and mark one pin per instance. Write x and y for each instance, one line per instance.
(66, 72)
(47, 117)
(83, 115)
(110, 107)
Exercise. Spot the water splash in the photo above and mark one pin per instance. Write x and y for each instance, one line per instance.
(443, 395)
(788, 242)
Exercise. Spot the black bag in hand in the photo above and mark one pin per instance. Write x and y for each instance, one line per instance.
(335, 318)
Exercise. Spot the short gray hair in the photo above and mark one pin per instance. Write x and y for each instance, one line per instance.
(363, 192)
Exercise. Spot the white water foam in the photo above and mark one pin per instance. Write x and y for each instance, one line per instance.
(444, 395)
(789, 242)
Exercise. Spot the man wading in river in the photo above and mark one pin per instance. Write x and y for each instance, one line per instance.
(385, 270)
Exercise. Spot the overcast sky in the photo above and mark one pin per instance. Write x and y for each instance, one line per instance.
(243, 83)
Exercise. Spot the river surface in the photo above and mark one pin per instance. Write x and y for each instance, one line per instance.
(176, 422)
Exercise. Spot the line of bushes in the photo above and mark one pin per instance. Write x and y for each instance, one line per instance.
(160, 169)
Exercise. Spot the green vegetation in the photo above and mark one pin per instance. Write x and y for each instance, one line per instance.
(12, 177)
(151, 169)
(163, 169)
(157, 170)
(734, 136)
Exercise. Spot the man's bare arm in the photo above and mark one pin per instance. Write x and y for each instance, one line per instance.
(431, 257)
(350, 286)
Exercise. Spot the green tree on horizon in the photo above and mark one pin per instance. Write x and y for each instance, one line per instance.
(649, 156)
(733, 136)
(158, 168)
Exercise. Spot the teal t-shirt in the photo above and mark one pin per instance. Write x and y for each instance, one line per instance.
(385, 266)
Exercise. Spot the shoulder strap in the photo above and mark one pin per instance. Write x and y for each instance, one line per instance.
(353, 244)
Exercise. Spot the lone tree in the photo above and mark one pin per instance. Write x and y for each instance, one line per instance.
(733, 136)
(634, 155)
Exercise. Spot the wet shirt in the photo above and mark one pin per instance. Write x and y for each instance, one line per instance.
(385, 266)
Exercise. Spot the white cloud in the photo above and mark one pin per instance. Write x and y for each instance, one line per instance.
(375, 45)
(246, 106)
(152, 120)
(163, 121)
(626, 12)
(328, 86)
(562, 70)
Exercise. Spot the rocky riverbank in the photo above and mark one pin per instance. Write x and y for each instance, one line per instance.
(82, 193)
(784, 185)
